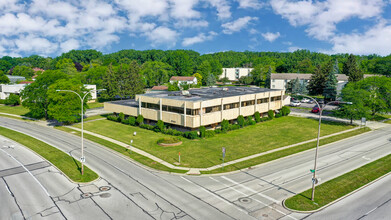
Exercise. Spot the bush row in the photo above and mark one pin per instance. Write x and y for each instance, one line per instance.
(202, 132)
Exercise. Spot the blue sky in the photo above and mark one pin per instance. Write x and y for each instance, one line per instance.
(51, 27)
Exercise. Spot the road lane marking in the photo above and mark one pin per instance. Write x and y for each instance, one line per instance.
(215, 195)
(284, 214)
(251, 190)
(28, 172)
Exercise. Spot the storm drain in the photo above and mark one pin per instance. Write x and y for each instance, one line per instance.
(104, 188)
(245, 200)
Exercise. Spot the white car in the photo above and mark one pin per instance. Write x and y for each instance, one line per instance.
(295, 103)
(305, 100)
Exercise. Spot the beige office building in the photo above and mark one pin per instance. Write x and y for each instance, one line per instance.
(200, 107)
(233, 74)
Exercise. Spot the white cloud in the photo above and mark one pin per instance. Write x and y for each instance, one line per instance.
(322, 17)
(192, 23)
(293, 49)
(253, 31)
(375, 40)
(40, 45)
(254, 4)
(237, 25)
(198, 39)
(223, 8)
(68, 45)
(269, 36)
(184, 9)
(162, 35)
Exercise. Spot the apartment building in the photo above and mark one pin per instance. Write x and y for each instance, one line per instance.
(233, 74)
(200, 107)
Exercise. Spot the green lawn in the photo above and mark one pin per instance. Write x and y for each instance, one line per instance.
(15, 110)
(286, 152)
(340, 186)
(67, 164)
(95, 105)
(202, 153)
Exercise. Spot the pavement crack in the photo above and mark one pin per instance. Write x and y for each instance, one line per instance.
(12, 194)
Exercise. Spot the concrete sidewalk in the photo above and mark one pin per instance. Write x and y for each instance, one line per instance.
(196, 171)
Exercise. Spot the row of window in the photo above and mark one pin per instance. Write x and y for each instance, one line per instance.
(205, 110)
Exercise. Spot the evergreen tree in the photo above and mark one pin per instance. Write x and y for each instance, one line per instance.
(351, 69)
(134, 83)
(316, 84)
(330, 90)
(295, 86)
(268, 78)
(110, 84)
(210, 80)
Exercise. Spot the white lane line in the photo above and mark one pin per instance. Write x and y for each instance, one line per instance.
(28, 172)
(215, 195)
(251, 190)
(267, 205)
(370, 211)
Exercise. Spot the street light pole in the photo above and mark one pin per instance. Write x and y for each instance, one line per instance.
(82, 159)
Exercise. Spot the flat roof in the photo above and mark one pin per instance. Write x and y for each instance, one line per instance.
(204, 94)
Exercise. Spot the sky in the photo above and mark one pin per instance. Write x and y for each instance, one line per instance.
(52, 27)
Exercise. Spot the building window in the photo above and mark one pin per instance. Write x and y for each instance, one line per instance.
(212, 109)
(248, 103)
(237, 73)
(150, 105)
(192, 111)
(231, 106)
(265, 100)
(276, 98)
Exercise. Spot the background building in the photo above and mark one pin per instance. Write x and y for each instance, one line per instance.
(233, 74)
(6, 90)
(184, 80)
(200, 107)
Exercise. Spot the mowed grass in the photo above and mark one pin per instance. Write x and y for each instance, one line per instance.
(67, 164)
(286, 152)
(202, 153)
(340, 186)
(95, 105)
(15, 110)
(137, 157)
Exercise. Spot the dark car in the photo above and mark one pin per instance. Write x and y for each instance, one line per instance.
(315, 109)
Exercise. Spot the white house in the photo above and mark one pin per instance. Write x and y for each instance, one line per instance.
(6, 90)
(184, 80)
(233, 74)
(92, 88)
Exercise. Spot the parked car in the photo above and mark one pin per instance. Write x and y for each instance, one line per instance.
(315, 109)
(311, 101)
(320, 101)
(305, 100)
(295, 103)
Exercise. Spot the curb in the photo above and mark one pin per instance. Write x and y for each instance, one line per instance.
(62, 173)
(337, 200)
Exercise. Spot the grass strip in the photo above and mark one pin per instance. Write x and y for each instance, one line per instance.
(286, 152)
(67, 164)
(340, 186)
(137, 157)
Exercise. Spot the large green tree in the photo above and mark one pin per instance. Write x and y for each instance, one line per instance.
(330, 89)
(35, 95)
(3, 78)
(205, 69)
(156, 73)
(352, 70)
(24, 71)
(65, 107)
(110, 83)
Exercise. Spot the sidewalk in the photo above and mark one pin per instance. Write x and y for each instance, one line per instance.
(196, 171)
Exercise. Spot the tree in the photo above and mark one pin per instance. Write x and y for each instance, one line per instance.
(3, 78)
(351, 69)
(216, 68)
(199, 79)
(317, 81)
(210, 80)
(156, 73)
(110, 84)
(268, 78)
(24, 71)
(65, 107)
(246, 80)
(12, 99)
(67, 66)
(35, 95)
(134, 80)
(181, 62)
(5, 65)
(330, 90)
(204, 69)
(173, 86)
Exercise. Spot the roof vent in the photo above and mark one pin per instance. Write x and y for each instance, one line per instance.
(186, 93)
(225, 89)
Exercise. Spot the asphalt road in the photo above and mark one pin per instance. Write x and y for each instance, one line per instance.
(138, 193)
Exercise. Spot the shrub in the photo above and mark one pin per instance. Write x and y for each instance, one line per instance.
(191, 134)
(257, 117)
(270, 113)
(132, 120)
(218, 131)
(159, 126)
(224, 125)
(12, 99)
(249, 121)
(209, 134)
(240, 121)
(112, 118)
(121, 117)
(285, 111)
(202, 131)
(177, 133)
(140, 120)
(233, 127)
(278, 115)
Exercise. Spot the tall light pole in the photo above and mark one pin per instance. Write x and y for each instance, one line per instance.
(314, 179)
(82, 159)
